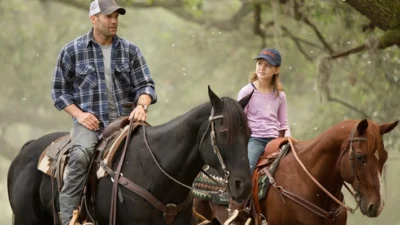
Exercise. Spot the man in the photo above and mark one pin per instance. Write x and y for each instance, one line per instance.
(95, 75)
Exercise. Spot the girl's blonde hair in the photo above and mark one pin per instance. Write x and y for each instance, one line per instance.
(275, 82)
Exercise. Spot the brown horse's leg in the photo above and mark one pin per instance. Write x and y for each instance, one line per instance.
(220, 212)
(342, 218)
(202, 208)
(210, 211)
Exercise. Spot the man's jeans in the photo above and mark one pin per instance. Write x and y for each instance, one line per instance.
(256, 148)
(83, 143)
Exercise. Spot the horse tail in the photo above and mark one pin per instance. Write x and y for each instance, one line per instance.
(27, 143)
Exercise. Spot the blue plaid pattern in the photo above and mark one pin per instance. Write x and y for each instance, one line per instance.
(79, 77)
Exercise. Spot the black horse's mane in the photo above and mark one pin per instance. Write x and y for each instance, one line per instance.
(234, 119)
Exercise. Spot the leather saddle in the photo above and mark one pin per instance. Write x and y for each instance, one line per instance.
(54, 158)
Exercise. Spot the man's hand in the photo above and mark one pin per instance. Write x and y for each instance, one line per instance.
(88, 120)
(138, 114)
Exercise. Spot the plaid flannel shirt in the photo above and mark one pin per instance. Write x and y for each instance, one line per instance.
(79, 77)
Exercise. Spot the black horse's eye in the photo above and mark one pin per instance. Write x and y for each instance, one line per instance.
(360, 158)
(223, 134)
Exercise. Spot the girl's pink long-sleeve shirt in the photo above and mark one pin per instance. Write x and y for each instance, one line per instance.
(266, 112)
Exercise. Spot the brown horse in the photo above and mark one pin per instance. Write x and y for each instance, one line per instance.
(350, 152)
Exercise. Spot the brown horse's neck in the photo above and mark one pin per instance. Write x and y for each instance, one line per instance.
(321, 157)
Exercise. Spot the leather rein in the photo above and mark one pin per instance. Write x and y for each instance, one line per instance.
(171, 210)
(328, 216)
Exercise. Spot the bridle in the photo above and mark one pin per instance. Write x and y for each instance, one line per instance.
(356, 179)
(211, 126)
(328, 216)
(169, 210)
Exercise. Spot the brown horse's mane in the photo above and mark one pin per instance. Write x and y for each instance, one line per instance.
(343, 130)
(310, 178)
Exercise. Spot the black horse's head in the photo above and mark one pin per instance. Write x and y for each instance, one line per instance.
(223, 145)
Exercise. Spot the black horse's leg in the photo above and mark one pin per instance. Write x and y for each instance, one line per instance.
(215, 222)
(24, 221)
(24, 182)
(24, 192)
(27, 203)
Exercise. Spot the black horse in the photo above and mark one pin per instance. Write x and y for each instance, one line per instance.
(181, 147)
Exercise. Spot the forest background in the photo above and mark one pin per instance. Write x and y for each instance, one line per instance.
(341, 60)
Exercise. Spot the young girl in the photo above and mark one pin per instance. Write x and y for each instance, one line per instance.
(267, 109)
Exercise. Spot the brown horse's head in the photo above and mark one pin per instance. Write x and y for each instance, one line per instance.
(362, 165)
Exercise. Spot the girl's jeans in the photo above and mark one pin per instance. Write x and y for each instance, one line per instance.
(256, 148)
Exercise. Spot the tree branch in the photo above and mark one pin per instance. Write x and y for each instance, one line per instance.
(391, 80)
(258, 30)
(257, 24)
(306, 42)
(74, 3)
(333, 99)
(389, 38)
(297, 42)
(324, 69)
(271, 23)
(226, 25)
(164, 3)
(367, 27)
(187, 16)
(319, 34)
(349, 52)
(176, 7)
(300, 16)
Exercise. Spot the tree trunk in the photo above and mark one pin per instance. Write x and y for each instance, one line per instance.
(384, 14)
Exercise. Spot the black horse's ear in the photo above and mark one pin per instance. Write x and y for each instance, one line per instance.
(245, 100)
(387, 127)
(214, 99)
(362, 126)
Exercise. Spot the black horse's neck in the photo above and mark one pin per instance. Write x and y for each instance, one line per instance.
(175, 146)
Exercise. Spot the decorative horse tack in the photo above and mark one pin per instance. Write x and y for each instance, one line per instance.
(333, 172)
(169, 210)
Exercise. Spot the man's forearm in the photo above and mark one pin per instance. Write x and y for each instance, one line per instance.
(73, 110)
(144, 100)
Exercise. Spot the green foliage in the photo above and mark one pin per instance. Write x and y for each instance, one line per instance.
(194, 7)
